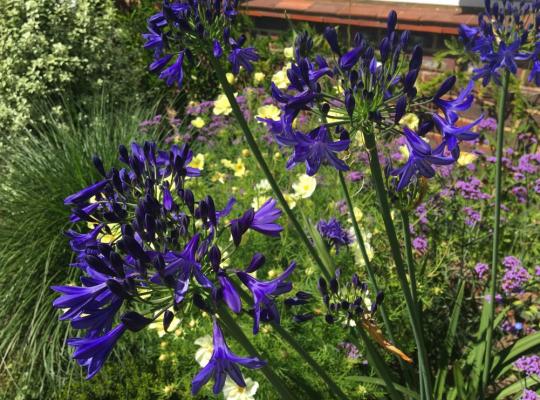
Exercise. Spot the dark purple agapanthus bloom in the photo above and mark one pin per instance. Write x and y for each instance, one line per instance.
(262, 221)
(241, 57)
(504, 36)
(332, 231)
(152, 242)
(421, 159)
(461, 103)
(317, 148)
(201, 30)
(453, 134)
(92, 352)
(264, 307)
(223, 363)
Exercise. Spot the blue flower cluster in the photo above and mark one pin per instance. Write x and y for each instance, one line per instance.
(152, 250)
(507, 33)
(191, 29)
(376, 87)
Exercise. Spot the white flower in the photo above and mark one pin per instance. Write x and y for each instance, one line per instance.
(263, 186)
(205, 350)
(288, 52)
(305, 186)
(231, 391)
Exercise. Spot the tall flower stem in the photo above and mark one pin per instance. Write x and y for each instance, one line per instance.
(262, 163)
(233, 328)
(378, 181)
(503, 93)
(409, 255)
(369, 266)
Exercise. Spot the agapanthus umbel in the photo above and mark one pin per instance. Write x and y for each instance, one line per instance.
(188, 30)
(364, 89)
(507, 33)
(332, 231)
(153, 247)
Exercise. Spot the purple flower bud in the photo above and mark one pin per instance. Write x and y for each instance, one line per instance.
(391, 21)
(167, 319)
(218, 50)
(257, 261)
(445, 87)
(135, 321)
(350, 102)
(401, 106)
(416, 58)
(331, 37)
(349, 59)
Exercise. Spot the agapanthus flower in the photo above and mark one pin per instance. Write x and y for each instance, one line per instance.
(421, 159)
(453, 134)
(332, 231)
(147, 239)
(198, 30)
(502, 38)
(461, 103)
(264, 293)
(223, 363)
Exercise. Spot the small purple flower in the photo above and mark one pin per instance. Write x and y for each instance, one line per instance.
(350, 350)
(334, 233)
(481, 270)
(420, 244)
(489, 124)
(530, 365)
(264, 307)
(223, 363)
(521, 193)
(355, 176)
(515, 276)
(529, 395)
(473, 216)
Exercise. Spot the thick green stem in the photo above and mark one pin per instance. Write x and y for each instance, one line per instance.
(377, 362)
(378, 181)
(262, 163)
(496, 225)
(409, 255)
(336, 391)
(242, 339)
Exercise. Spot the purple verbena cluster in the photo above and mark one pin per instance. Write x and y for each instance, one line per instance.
(530, 365)
(515, 276)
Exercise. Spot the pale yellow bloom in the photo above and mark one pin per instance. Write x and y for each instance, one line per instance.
(410, 120)
(277, 155)
(245, 153)
(231, 391)
(168, 389)
(238, 167)
(263, 186)
(258, 77)
(466, 158)
(280, 79)
(222, 105)
(404, 150)
(272, 273)
(197, 161)
(358, 214)
(356, 248)
(198, 123)
(157, 325)
(288, 52)
(219, 177)
(230, 78)
(269, 111)
(205, 350)
(305, 186)
(290, 199)
(162, 357)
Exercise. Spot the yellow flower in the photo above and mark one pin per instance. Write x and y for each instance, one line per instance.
(263, 186)
(466, 158)
(198, 122)
(231, 391)
(168, 389)
(204, 352)
(222, 105)
(245, 153)
(404, 150)
(334, 113)
(410, 120)
(197, 162)
(230, 78)
(358, 215)
(238, 167)
(305, 186)
(258, 77)
(280, 79)
(219, 177)
(269, 111)
(290, 199)
(277, 155)
(288, 52)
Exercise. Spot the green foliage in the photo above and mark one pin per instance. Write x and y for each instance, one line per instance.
(38, 172)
